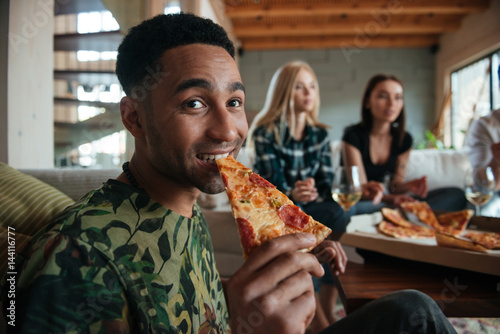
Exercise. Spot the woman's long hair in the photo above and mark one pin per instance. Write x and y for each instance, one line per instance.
(399, 125)
(279, 103)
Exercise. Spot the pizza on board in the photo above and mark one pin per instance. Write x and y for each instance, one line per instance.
(454, 241)
(261, 211)
(490, 240)
(454, 223)
(395, 217)
(405, 232)
(423, 212)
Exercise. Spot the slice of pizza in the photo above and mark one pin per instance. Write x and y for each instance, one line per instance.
(455, 223)
(395, 217)
(456, 241)
(261, 211)
(490, 240)
(401, 232)
(423, 212)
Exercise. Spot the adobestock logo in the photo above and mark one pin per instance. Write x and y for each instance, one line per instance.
(450, 292)
(31, 25)
(364, 35)
(150, 82)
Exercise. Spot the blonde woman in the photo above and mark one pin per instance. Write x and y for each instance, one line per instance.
(292, 151)
(292, 147)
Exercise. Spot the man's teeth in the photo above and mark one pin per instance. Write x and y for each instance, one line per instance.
(210, 158)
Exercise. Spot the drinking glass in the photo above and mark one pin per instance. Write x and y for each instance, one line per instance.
(346, 188)
(479, 186)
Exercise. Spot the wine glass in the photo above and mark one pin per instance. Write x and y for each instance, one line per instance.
(479, 186)
(346, 188)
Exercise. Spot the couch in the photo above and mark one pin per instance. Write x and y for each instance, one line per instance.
(442, 167)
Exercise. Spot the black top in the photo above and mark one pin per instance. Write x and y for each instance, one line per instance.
(359, 138)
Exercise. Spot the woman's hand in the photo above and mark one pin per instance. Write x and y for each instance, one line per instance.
(396, 199)
(331, 252)
(305, 191)
(418, 187)
(373, 191)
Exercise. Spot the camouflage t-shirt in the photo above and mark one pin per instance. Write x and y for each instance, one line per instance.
(117, 261)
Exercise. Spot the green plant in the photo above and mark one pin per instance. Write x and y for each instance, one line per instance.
(431, 141)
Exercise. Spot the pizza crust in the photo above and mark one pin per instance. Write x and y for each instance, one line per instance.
(448, 240)
(404, 232)
(455, 223)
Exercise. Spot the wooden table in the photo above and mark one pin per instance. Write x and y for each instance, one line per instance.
(459, 293)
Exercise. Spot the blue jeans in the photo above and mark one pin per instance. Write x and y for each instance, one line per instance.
(328, 213)
(407, 311)
(331, 214)
(442, 199)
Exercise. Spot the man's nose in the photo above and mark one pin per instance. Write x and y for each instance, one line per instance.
(222, 125)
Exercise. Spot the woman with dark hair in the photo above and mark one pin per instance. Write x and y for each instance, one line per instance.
(380, 146)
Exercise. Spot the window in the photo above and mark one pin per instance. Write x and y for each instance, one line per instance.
(106, 152)
(475, 92)
(172, 7)
(87, 95)
(96, 22)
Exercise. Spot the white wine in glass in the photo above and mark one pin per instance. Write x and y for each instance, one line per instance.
(479, 186)
(346, 188)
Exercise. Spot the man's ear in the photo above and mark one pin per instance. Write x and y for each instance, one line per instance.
(131, 116)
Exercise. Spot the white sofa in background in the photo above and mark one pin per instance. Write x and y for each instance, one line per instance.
(444, 167)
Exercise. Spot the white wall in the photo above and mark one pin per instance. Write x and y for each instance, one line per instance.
(478, 36)
(4, 43)
(30, 112)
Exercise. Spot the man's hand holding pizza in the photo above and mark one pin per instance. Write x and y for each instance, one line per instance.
(273, 292)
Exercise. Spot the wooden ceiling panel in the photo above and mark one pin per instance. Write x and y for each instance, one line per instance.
(345, 42)
(298, 24)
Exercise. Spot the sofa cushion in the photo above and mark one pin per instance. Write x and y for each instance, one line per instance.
(27, 203)
(226, 241)
(74, 182)
(443, 168)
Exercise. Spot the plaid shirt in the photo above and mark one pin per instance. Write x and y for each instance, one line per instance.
(294, 160)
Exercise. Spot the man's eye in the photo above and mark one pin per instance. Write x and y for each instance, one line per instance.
(194, 104)
(234, 103)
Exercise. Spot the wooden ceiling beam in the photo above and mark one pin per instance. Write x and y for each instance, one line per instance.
(345, 28)
(242, 9)
(345, 42)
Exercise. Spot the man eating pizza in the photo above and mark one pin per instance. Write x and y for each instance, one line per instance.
(135, 255)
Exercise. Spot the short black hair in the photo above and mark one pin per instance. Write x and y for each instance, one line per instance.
(145, 43)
